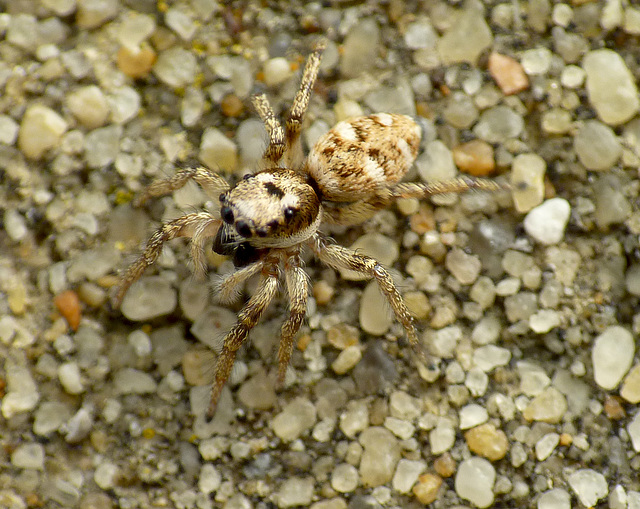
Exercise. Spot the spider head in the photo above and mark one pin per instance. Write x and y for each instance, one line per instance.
(274, 208)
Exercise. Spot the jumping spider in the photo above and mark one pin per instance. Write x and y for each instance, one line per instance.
(267, 219)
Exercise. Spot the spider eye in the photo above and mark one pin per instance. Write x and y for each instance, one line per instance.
(242, 227)
(289, 212)
(227, 214)
(222, 197)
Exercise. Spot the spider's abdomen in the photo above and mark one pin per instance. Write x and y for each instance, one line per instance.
(363, 154)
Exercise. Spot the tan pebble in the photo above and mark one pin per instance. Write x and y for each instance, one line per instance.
(426, 490)
(485, 440)
(323, 292)
(231, 106)
(613, 408)
(17, 299)
(565, 439)
(342, 336)
(136, 64)
(92, 294)
(475, 158)
(418, 304)
(630, 390)
(445, 465)
(508, 74)
(423, 221)
(197, 366)
(68, 305)
(347, 359)
(303, 342)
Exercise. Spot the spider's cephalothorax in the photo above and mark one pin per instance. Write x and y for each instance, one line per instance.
(269, 217)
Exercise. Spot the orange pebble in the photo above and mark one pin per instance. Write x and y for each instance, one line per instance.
(136, 64)
(68, 305)
(508, 74)
(475, 158)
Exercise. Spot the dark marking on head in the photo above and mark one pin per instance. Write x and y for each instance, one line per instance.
(274, 190)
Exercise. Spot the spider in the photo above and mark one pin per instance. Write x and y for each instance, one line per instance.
(270, 216)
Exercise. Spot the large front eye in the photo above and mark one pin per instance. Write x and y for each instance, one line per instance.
(227, 214)
(242, 227)
(289, 212)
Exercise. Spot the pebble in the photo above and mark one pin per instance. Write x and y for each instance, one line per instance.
(404, 406)
(68, 304)
(377, 246)
(136, 63)
(610, 86)
(149, 298)
(612, 356)
(28, 455)
(8, 130)
(124, 104)
(344, 478)
(181, 21)
(407, 474)
(630, 389)
(556, 498)
(106, 475)
(79, 426)
(442, 343)
(41, 129)
(102, 146)
(527, 179)
(15, 225)
(498, 124)
(217, 151)
(557, 121)
(487, 441)
(134, 381)
(342, 336)
(472, 415)
(22, 394)
(70, 379)
(346, 360)
(474, 481)
(93, 13)
(441, 438)
(49, 417)
(546, 445)
(258, 392)
(295, 492)
(549, 406)
(461, 112)
(536, 61)
(436, 164)
(427, 488)
(475, 158)
(589, 486)
(597, 146)
(176, 67)
(508, 73)
(467, 38)
(464, 267)
(89, 105)
(294, 420)
(360, 48)
(489, 357)
(546, 223)
(209, 479)
(544, 320)
(355, 418)
(380, 456)
(276, 71)
(634, 432)
(400, 428)
(375, 314)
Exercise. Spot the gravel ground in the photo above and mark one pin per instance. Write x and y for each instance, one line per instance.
(527, 298)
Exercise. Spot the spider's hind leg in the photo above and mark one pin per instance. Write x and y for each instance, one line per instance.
(339, 257)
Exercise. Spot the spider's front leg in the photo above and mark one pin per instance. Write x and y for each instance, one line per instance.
(297, 283)
(247, 319)
(198, 227)
(338, 257)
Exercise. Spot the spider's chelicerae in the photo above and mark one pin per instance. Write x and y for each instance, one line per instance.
(270, 216)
